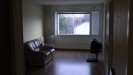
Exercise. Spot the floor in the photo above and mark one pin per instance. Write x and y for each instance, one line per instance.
(70, 63)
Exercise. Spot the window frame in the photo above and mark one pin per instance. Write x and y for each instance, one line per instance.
(57, 21)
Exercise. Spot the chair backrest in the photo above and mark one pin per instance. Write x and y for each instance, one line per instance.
(95, 46)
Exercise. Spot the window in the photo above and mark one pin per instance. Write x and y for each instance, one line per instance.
(95, 23)
(78, 23)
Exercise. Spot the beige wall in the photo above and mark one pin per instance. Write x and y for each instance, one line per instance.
(32, 20)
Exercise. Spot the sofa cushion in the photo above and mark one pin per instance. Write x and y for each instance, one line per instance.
(31, 45)
(37, 43)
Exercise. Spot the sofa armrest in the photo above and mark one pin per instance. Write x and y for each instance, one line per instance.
(36, 58)
(47, 46)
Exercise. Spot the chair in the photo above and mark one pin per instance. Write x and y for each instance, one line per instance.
(95, 49)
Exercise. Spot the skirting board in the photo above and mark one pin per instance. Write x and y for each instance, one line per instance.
(72, 49)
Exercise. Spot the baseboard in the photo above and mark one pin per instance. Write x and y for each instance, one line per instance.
(72, 49)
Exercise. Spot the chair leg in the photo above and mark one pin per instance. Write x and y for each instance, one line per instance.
(96, 57)
(93, 59)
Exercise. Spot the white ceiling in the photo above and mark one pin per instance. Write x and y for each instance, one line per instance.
(56, 2)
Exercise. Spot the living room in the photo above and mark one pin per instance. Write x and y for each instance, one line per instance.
(40, 20)
(118, 43)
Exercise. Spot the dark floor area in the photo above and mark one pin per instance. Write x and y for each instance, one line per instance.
(70, 63)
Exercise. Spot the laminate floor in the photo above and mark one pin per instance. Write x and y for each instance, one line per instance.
(70, 63)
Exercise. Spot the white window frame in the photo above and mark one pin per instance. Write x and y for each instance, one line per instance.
(57, 21)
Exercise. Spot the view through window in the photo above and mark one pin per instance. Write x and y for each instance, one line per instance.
(74, 24)
(78, 23)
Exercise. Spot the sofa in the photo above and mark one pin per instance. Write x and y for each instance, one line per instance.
(37, 53)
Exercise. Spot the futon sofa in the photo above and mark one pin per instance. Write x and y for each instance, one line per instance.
(37, 53)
